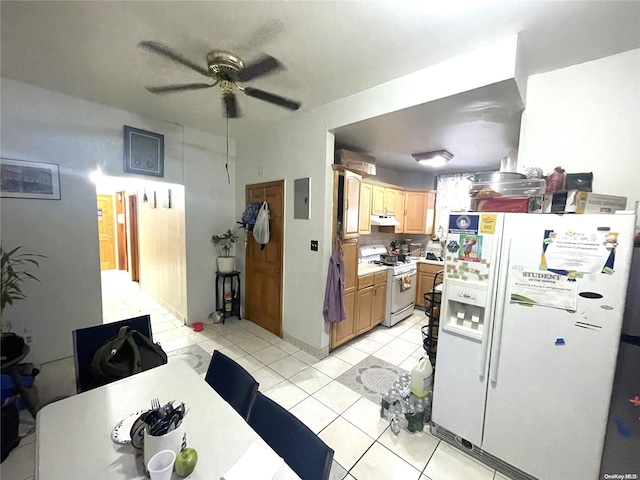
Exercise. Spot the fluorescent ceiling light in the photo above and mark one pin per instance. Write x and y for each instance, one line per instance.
(433, 159)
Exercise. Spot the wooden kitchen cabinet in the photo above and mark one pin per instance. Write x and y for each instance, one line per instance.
(379, 298)
(366, 194)
(383, 200)
(345, 330)
(372, 301)
(377, 200)
(400, 211)
(390, 195)
(364, 310)
(426, 274)
(347, 201)
(420, 212)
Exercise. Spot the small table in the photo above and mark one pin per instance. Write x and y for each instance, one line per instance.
(11, 369)
(231, 307)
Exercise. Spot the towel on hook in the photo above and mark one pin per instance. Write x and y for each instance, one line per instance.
(405, 282)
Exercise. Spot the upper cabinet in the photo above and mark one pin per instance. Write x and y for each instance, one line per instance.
(413, 209)
(377, 200)
(351, 205)
(383, 200)
(347, 201)
(366, 195)
(400, 210)
(420, 212)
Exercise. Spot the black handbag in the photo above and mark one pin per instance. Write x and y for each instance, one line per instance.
(126, 354)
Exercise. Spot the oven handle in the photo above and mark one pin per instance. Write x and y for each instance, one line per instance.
(399, 277)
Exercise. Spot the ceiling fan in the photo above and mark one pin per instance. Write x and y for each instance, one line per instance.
(227, 70)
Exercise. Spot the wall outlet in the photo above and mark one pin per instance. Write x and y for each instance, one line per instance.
(314, 245)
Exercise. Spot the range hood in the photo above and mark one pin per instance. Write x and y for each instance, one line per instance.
(384, 220)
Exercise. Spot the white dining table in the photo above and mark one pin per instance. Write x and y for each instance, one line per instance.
(74, 435)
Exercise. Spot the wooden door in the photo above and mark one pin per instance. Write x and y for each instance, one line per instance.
(400, 211)
(134, 270)
(416, 219)
(106, 233)
(390, 201)
(379, 303)
(366, 191)
(263, 292)
(121, 227)
(364, 310)
(351, 216)
(377, 200)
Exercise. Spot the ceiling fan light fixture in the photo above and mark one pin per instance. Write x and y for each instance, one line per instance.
(436, 158)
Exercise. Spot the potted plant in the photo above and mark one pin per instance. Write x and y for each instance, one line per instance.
(224, 244)
(15, 271)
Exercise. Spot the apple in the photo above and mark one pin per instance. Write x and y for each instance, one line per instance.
(186, 462)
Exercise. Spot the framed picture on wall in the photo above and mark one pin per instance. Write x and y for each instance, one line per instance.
(143, 152)
(22, 179)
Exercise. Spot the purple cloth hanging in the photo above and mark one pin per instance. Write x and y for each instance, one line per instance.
(333, 310)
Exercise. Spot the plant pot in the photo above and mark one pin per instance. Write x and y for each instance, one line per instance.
(226, 264)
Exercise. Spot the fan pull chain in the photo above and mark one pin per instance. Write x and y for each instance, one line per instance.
(226, 166)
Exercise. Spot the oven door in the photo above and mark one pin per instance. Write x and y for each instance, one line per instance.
(403, 293)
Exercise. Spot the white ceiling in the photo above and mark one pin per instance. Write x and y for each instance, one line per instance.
(330, 50)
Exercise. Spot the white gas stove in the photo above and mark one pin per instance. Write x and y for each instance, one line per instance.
(401, 283)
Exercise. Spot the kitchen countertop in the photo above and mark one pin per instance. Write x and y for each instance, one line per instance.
(431, 262)
(368, 268)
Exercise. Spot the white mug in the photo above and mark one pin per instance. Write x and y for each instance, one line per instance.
(170, 441)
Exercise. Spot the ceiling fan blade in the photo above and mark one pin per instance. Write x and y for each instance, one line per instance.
(262, 66)
(229, 105)
(165, 51)
(179, 88)
(271, 98)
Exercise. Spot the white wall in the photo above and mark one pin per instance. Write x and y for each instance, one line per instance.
(161, 243)
(586, 118)
(210, 210)
(303, 147)
(40, 125)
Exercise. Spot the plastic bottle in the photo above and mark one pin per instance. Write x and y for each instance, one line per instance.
(422, 377)
(227, 302)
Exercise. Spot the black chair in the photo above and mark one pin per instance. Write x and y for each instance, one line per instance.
(232, 382)
(302, 449)
(86, 342)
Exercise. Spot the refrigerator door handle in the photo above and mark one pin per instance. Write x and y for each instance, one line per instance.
(483, 357)
(499, 315)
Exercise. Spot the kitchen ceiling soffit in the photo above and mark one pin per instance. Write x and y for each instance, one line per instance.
(478, 127)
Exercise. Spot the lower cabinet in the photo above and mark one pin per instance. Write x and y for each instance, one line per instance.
(365, 303)
(372, 301)
(345, 330)
(426, 275)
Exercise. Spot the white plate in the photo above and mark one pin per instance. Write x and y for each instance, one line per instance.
(122, 431)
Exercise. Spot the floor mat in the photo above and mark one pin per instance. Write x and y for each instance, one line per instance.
(371, 377)
(194, 355)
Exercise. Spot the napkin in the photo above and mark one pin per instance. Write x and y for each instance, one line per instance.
(257, 463)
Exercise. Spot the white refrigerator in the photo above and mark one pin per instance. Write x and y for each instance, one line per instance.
(530, 322)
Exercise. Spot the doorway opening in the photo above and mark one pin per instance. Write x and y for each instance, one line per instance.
(142, 248)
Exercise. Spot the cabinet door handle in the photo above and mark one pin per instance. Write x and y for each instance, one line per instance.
(346, 202)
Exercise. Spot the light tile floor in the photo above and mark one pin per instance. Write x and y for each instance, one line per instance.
(365, 448)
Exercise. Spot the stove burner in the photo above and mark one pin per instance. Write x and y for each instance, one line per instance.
(396, 264)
